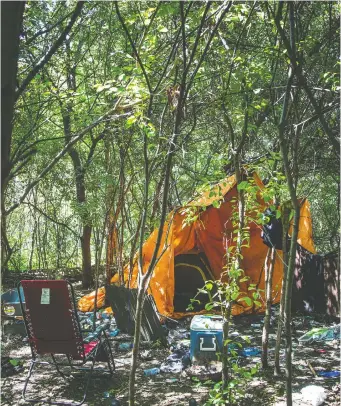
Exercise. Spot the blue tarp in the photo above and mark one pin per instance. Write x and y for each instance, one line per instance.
(12, 296)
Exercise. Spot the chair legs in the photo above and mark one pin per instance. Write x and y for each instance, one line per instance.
(32, 365)
(36, 400)
(57, 367)
(111, 361)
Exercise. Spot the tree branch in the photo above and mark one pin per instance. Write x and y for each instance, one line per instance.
(51, 219)
(133, 46)
(51, 52)
(60, 155)
(46, 30)
(190, 82)
(303, 82)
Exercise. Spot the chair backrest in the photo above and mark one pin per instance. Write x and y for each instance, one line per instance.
(51, 317)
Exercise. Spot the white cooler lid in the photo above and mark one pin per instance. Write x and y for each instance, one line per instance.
(203, 322)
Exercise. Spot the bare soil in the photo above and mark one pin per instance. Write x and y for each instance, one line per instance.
(177, 389)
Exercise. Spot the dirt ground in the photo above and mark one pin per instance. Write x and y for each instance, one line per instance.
(177, 389)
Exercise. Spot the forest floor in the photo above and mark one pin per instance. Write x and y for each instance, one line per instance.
(177, 388)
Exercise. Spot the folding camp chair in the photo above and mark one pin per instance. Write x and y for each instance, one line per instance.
(53, 327)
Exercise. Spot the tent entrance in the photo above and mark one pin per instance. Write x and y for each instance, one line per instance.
(190, 273)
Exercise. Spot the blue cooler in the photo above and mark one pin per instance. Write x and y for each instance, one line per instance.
(206, 338)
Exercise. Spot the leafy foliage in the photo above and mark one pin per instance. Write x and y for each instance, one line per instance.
(243, 72)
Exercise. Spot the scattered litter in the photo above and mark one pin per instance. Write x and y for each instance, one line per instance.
(171, 380)
(146, 355)
(311, 368)
(110, 400)
(181, 344)
(173, 367)
(315, 394)
(114, 333)
(151, 371)
(125, 346)
(177, 334)
(192, 402)
(321, 334)
(250, 352)
(329, 374)
(256, 325)
(86, 320)
(320, 351)
(107, 312)
(177, 361)
(186, 360)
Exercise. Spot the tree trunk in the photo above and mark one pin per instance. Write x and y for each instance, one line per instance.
(269, 268)
(87, 278)
(32, 248)
(11, 22)
(285, 225)
(287, 312)
(292, 177)
(87, 228)
(225, 364)
(137, 334)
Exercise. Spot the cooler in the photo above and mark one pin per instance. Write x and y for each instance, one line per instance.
(206, 338)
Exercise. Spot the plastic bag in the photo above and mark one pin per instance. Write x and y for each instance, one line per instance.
(321, 334)
(314, 394)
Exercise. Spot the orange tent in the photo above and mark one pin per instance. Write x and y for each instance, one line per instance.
(208, 233)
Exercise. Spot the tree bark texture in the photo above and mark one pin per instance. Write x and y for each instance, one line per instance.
(87, 278)
(287, 312)
(269, 268)
(11, 22)
(285, 226)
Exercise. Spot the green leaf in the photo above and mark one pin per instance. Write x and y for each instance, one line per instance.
(243, 185)
(130, 121)
(246, 299)
(14, 362)
(216, 204)
(209, 286)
